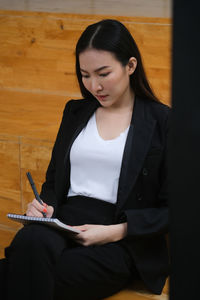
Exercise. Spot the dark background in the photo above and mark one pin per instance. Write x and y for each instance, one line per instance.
(184, 154)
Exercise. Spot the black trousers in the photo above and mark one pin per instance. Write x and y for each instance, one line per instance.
(44, 263)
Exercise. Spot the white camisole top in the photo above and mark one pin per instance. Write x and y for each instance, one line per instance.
(96, 164)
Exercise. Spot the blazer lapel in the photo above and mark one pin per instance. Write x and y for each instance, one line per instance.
(136, 147)
(78, 119)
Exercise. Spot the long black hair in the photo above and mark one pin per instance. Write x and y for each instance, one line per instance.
(111, 35)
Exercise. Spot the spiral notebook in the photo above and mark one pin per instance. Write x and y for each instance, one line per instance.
(53, 222)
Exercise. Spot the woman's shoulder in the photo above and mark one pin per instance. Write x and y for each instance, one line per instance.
(158, 109)
(159, 106)
(74, 105)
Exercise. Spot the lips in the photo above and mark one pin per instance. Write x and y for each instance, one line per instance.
(101, 97)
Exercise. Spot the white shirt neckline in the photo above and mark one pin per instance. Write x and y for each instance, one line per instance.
(102, 139)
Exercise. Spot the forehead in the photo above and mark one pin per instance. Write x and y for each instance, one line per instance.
(93, 58)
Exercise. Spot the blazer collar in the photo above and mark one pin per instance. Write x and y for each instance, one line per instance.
(80, 115)
(83, 111)
(136, 147)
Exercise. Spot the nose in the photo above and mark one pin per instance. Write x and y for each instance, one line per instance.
(96, 86)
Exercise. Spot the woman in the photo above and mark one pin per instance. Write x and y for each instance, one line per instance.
(107, 177)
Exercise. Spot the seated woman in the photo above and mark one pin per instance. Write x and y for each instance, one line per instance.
(107, 177)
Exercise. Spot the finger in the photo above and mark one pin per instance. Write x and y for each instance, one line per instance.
(41, 208)
(50, 211)
(80, 241)
(34, 212)
(29, 214)
(80, 236)
(83, 242)
(37, 205)
(81, 228)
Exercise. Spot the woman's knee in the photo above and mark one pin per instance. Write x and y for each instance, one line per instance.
(28, 235)
(33, 239)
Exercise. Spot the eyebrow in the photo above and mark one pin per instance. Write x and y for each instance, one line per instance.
(97, 70)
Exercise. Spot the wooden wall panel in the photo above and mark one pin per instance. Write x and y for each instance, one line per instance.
(35, 157)
(37, 54)
(18, 156)
(27, 114)
(38, 50)
(10, 187)
(154, 42)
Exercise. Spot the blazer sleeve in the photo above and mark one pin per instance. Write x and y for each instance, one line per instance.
(152, 221)
(48, 190)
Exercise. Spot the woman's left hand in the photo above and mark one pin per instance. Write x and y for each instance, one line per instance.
(100, 234)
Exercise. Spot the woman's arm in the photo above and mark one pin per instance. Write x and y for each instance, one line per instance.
(100, 234)
(48, 194)
(152, 221)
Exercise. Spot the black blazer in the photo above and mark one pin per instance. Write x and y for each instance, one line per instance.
(143, 184)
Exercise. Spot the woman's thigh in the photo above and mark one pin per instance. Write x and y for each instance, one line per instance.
(37, 239)
(79, 272)
(93, 272)
(30, 261)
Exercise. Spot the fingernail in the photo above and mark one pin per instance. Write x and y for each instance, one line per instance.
(45, 210)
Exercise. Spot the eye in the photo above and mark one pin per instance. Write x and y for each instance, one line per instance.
(104, 74)
(85, 76)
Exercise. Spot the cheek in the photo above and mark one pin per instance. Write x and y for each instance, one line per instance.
(117, 83)
(117, 78)
(86, 83)
(111, 83)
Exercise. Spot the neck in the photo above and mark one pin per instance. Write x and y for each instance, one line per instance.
(124, 106)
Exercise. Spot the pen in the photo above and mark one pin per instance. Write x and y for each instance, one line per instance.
(35, 191)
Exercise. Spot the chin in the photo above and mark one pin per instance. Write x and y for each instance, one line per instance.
(106, 104)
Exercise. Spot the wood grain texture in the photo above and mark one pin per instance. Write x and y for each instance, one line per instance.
(137, 291)
(37, 51)
(10, 188)
(146, 8)
(35, 157)
(131, 294)
(34, 115)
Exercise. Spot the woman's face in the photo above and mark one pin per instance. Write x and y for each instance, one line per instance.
(105, 77)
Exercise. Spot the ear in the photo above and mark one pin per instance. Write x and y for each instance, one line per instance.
(132, 64)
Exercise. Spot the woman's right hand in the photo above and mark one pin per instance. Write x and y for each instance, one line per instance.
(35, 209)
